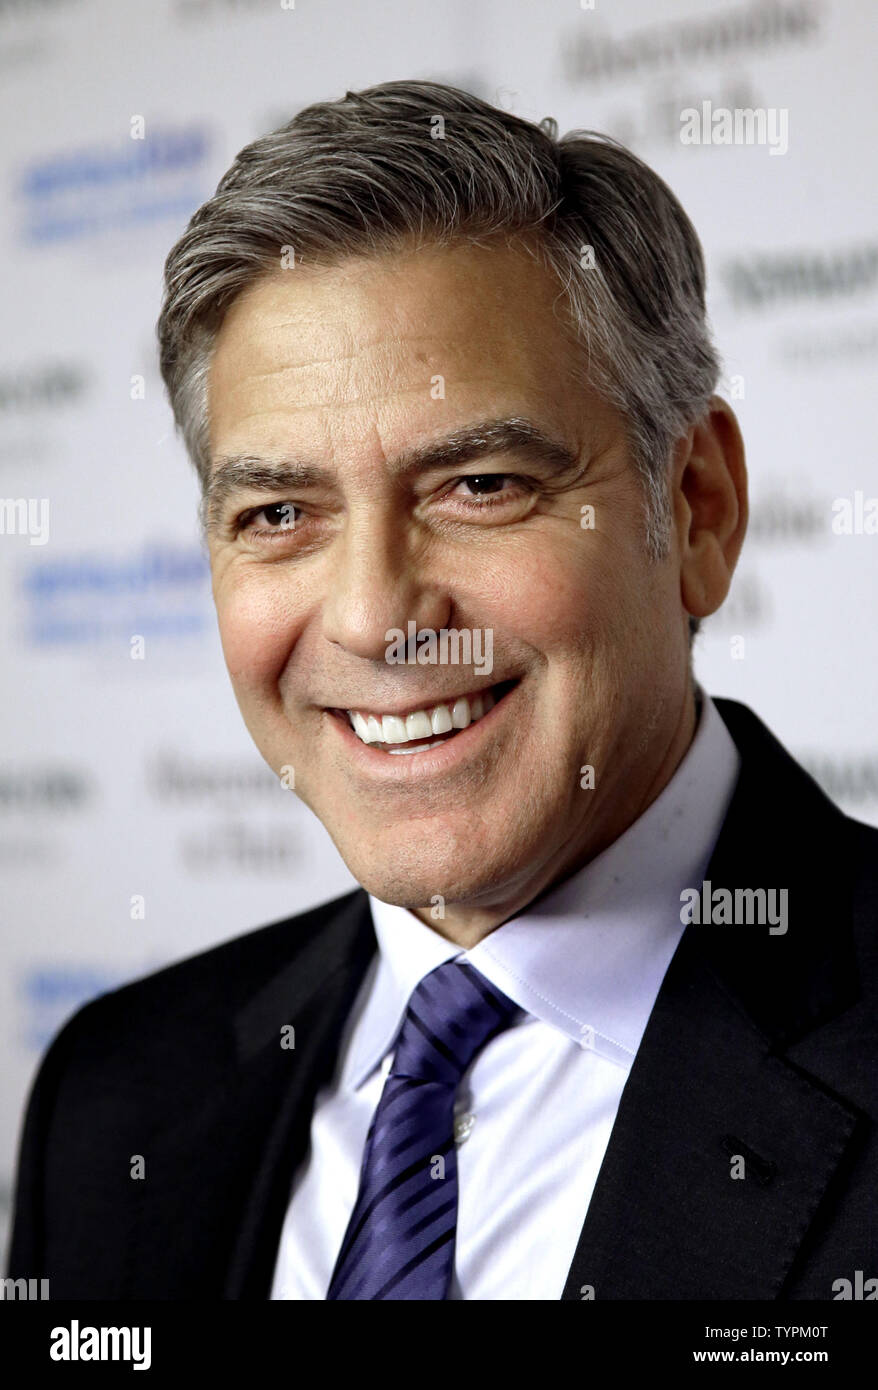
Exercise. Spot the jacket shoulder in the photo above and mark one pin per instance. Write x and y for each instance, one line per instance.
(221, 977)
(145, 1053)
(173, 1022)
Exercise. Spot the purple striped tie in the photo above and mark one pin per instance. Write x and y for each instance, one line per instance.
(399, 1243)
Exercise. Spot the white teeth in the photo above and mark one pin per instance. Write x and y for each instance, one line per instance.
(440, 720)
(420, 748)
(368, 730)
(393, 729)
(460, 714)
(416, 727)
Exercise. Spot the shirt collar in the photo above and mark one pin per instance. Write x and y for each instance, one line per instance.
(589, 957)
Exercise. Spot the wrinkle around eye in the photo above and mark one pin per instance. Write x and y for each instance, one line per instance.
(523, 492)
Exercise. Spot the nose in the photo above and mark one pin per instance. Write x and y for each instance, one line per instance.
(378, 582)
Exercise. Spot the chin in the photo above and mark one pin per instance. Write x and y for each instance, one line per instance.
(412, 888)
(402, 877)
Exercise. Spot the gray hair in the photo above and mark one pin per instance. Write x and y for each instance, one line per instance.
(427, 161)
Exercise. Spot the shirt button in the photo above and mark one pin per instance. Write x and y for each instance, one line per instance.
(463, 1128)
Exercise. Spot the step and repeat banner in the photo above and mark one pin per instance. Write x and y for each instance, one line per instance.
(138, 824)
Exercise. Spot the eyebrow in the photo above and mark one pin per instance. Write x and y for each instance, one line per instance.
(236, 472)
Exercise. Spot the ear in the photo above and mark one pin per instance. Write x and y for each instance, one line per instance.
(710, 507)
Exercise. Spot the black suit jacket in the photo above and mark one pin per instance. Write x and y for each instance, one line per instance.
(759, 1045)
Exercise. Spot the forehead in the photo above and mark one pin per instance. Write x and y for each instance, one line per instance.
(388, 336)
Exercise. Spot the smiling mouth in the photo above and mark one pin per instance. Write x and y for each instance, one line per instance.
(427, 727)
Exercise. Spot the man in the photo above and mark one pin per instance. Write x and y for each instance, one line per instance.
(597, 1024)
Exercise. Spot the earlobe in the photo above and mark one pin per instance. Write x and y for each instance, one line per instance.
(711, 499)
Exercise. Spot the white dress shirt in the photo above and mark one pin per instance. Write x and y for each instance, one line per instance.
(535, 1109)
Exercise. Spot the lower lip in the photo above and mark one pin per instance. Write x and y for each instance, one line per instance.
(431, 762)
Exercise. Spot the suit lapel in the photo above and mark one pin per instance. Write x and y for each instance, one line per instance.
(667, 1219)
(711, 1084)
(314, 994)
(210, 1216)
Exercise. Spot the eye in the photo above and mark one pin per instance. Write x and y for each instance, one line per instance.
(481, 483)
(489, 490)
(279, 519)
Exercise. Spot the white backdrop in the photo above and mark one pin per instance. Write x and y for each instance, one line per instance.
(134, 781)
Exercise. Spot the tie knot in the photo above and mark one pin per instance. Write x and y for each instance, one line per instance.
(451, 1014)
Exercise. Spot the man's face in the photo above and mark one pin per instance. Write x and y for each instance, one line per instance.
(353, 371)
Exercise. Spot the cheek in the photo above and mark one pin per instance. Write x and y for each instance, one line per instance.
(258, 630)
(570, 596)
